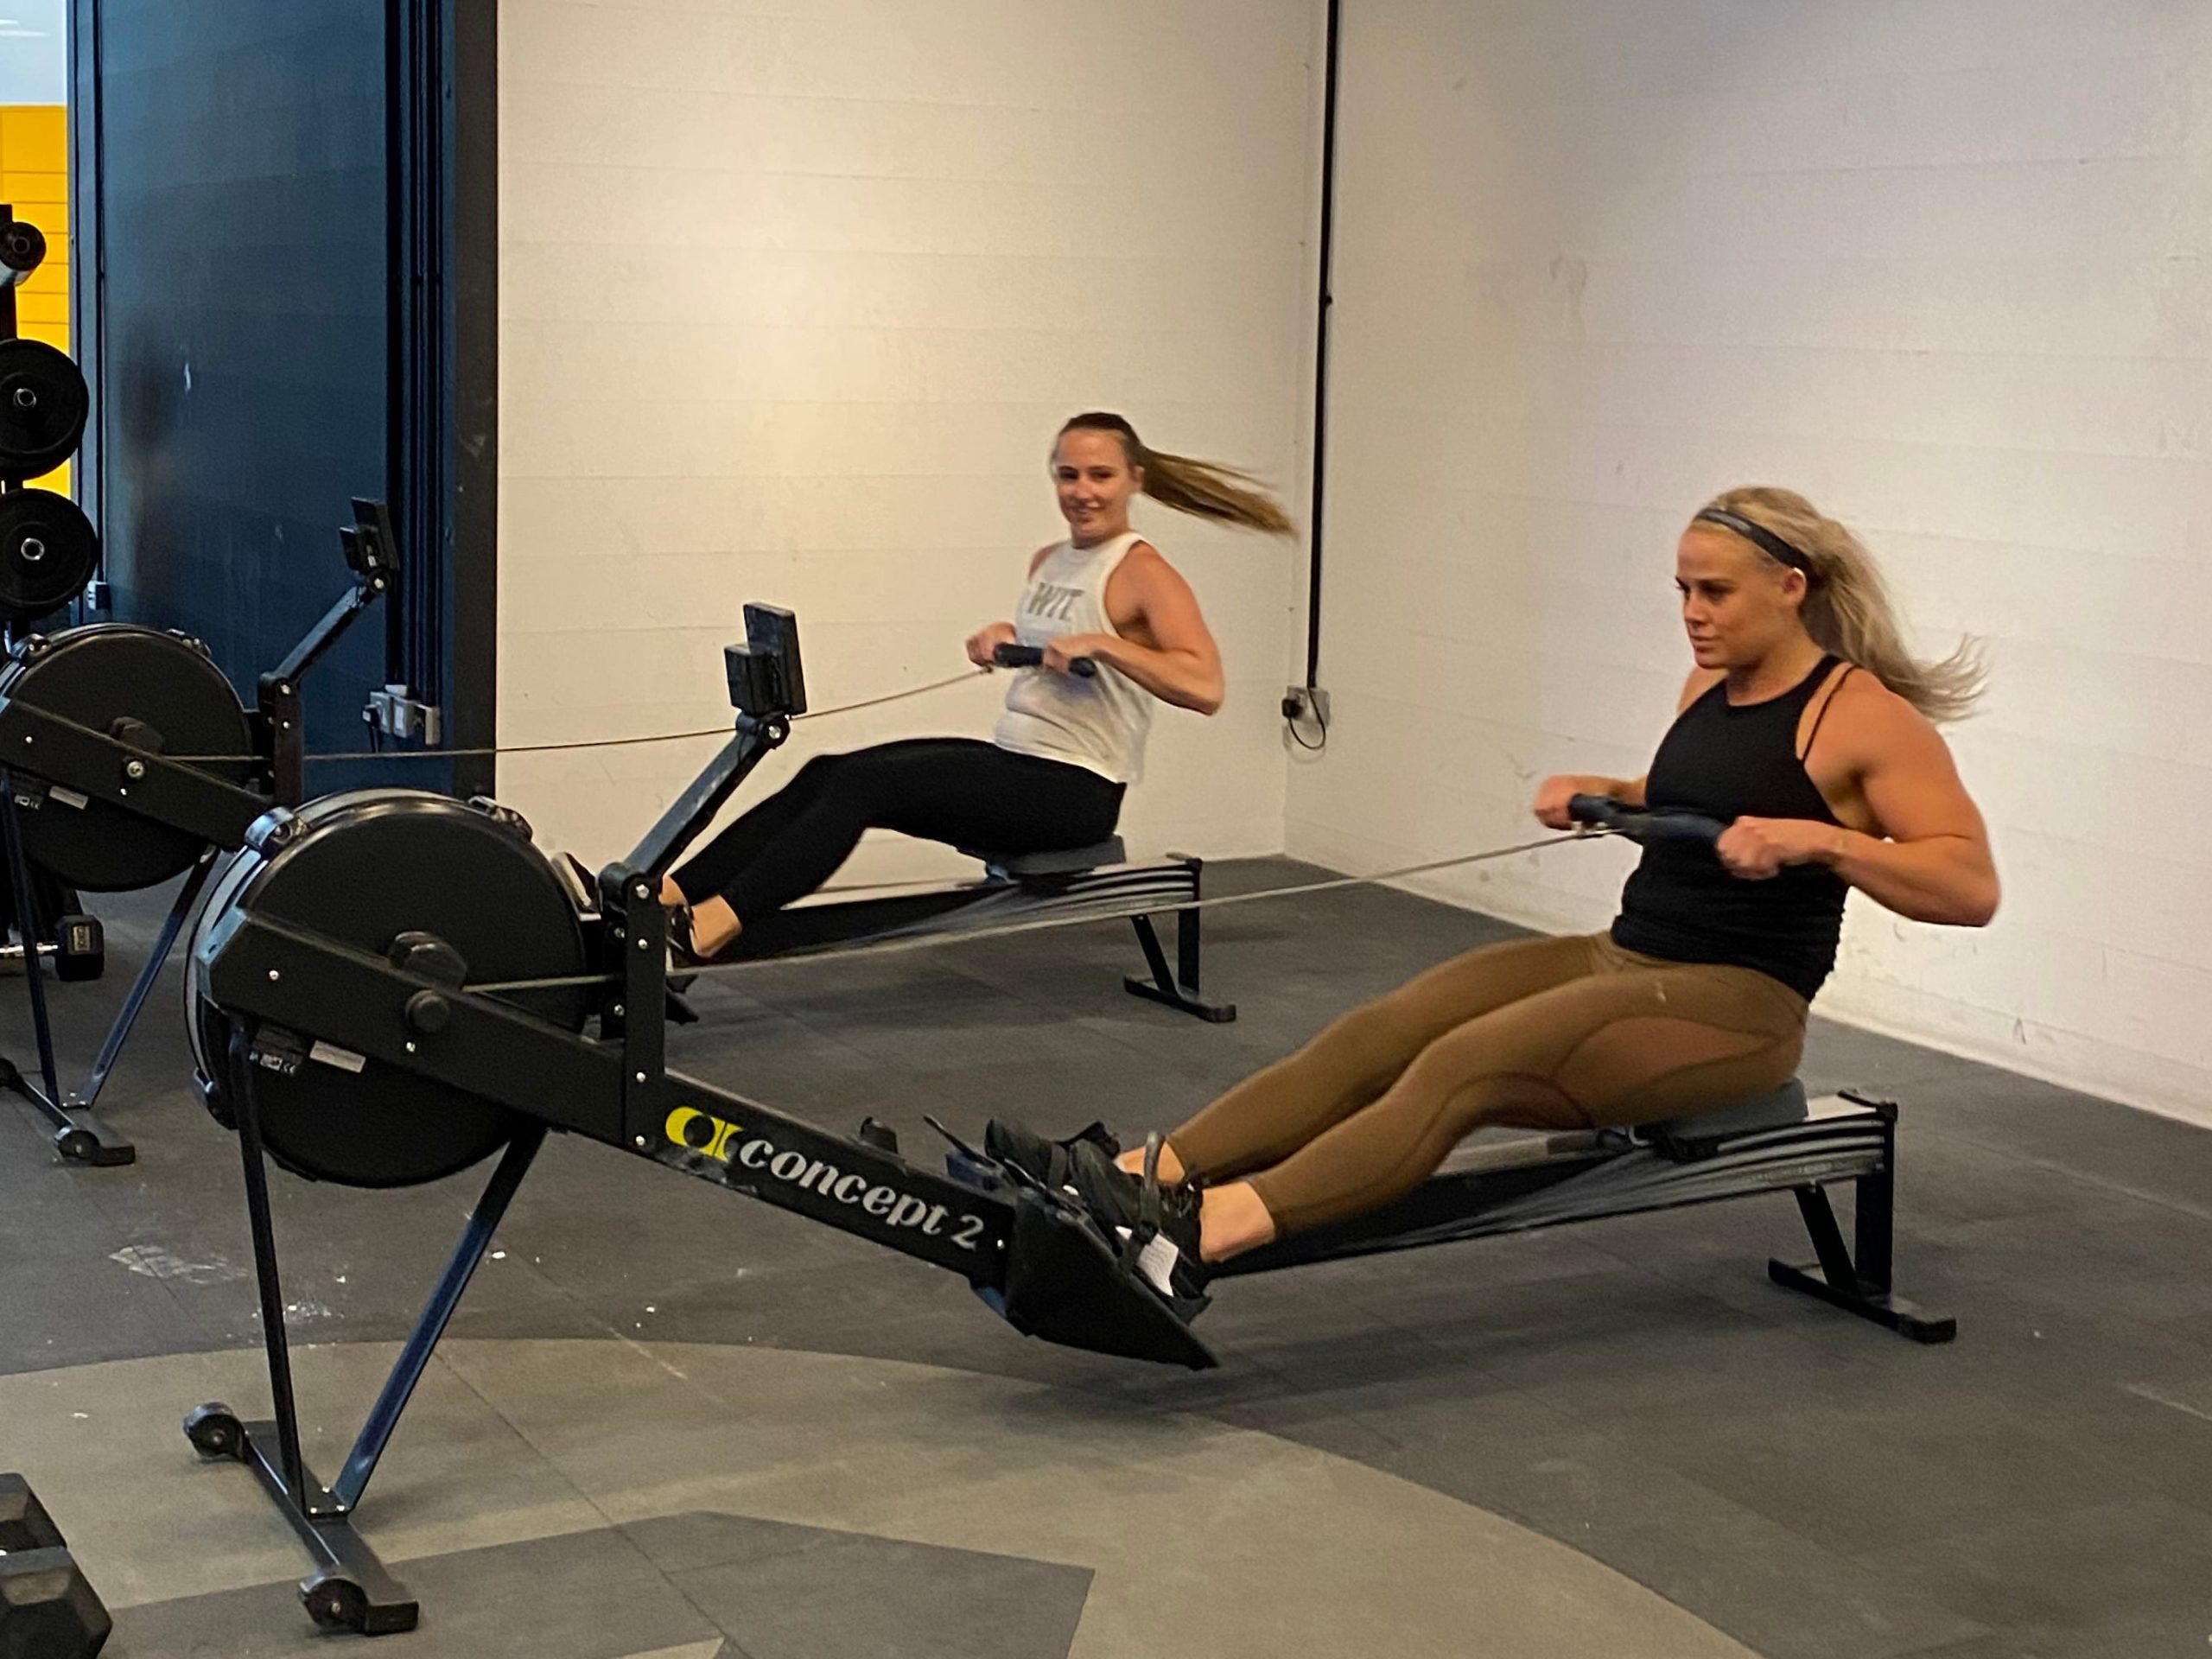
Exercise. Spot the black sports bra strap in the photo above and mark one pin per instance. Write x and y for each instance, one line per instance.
(1827, 704)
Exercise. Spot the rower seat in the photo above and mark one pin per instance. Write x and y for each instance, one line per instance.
(1067, 861)
(1695, 1134)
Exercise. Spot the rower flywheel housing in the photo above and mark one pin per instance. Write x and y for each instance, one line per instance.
(144, 687)
(455, 887)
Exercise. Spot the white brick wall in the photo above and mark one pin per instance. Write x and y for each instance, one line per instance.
(793, 298)
(1938, 263)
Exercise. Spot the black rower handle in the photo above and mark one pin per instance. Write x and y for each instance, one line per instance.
(1638, 823)
(1033, 657)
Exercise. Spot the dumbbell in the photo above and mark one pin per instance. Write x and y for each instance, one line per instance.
(47, 1609)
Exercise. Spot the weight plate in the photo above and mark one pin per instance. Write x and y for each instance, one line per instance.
(100, 674)
(22, 249)
(363, 868)
(47, 553)
(43, 405)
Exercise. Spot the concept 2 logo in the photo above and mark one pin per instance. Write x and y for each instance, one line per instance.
(727, 1143)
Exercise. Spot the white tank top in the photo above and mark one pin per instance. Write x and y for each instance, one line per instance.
(1099, 723)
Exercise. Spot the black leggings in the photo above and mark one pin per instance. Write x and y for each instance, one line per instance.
(956, 790)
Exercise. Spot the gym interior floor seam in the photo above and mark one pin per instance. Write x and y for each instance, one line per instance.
(1493, 1440)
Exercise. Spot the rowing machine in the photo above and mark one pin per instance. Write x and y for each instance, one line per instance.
(387, 987)
(90, 718)
(1096, 881)
(1776, 1142)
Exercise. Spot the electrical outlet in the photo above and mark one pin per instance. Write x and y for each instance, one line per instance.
(1306, 703)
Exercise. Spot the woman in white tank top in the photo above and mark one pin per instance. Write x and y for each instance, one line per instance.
(1116, 629)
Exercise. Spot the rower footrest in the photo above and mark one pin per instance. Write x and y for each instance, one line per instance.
(1064, 1284)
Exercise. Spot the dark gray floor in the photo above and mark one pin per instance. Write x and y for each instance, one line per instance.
(1635, 1388)
(673, 1588)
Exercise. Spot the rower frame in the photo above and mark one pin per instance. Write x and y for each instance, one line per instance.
(1532, 1181)
(1012, 898)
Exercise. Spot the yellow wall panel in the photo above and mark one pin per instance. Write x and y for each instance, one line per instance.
(26, 188)
(34, 137)
(34, 180)
(48, 310)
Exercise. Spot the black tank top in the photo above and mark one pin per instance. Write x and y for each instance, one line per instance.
(1730, 761)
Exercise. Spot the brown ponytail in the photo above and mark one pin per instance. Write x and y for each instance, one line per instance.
(1847, 608)
(1204, 489)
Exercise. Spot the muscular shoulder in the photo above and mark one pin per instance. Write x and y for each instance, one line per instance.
(1869, 722)
(1143, 570)
(1864, 701)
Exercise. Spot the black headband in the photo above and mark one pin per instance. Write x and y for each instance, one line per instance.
(1759, 535)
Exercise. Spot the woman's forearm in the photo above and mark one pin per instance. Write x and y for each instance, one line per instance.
(1943, 879)
(1182, 677)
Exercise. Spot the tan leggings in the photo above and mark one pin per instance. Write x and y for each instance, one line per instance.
(1540, 1033)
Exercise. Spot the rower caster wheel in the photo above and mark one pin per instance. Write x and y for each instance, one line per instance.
(215, 1432)
(335, 1603)
(77, 1146)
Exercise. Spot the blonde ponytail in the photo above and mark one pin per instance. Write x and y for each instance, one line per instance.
(1847, 608)
(1204, 489)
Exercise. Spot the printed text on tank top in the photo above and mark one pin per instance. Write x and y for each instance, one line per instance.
(1126, 619)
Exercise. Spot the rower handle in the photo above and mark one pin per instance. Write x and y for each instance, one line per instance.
(1033, 657)
(1642, 824)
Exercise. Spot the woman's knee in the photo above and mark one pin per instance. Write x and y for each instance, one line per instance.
(1371, 1045)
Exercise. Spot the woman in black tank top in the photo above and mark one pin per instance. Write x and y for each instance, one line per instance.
(1731, 760)
(1808, 728)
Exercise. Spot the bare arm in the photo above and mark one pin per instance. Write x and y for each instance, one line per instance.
(1162, 641)
(1927, 856)
(1935, 865)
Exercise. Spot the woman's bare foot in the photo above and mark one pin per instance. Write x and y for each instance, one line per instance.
(1170, 1167)
(1232, 1220)
(715, 928)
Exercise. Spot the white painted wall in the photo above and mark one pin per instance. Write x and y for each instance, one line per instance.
(1940, 264)
(793, 297)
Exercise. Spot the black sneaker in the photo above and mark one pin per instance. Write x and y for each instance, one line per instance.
(1042, 1159)
(1155, 1227)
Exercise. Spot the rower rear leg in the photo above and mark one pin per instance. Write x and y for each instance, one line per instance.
(1861, 1287)
(1177, 988)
